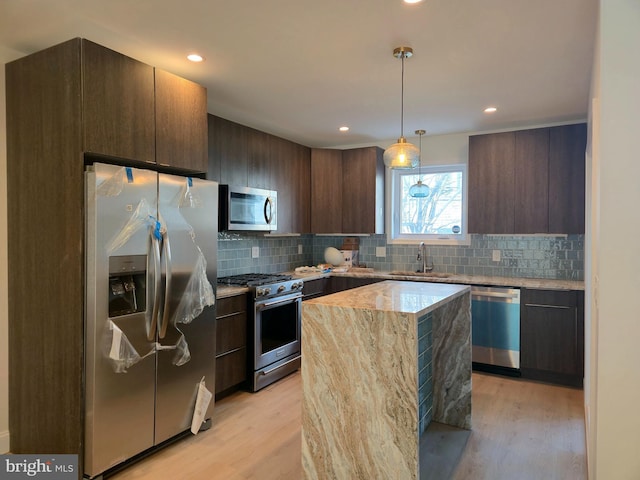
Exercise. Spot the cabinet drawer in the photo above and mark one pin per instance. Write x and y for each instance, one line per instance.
(555, 298)
(231, 332)
(231, 305)
(231, 369)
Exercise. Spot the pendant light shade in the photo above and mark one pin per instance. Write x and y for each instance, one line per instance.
(419, 189)
(402, 154)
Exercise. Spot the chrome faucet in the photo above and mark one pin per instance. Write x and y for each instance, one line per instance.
(422, 256)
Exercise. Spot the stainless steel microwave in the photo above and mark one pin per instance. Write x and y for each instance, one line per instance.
(245, 208)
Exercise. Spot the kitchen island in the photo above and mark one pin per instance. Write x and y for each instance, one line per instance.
(379, 363)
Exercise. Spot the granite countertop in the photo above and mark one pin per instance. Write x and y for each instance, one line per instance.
(416, 298)
(224, 291)
(438, 277)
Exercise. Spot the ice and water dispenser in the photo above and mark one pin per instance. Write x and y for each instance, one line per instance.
(127, 285)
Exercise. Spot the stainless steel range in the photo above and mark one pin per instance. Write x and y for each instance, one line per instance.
(275, 312)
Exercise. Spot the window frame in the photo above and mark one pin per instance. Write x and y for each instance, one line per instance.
(392, 194)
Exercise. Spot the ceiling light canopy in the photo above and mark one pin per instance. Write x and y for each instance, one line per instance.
(402, 154)
(419, 189)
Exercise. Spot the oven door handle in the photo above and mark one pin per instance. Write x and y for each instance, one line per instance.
(267, 372)
(260, 306)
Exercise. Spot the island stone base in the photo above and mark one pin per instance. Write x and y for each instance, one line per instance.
(379, 363)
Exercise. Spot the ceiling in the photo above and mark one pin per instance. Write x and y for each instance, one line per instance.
(300, 69)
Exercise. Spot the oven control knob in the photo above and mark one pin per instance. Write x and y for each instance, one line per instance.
(259, 292)
(281, 288)
(296, 286)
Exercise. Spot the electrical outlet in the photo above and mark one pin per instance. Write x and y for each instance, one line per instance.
(381, 252)
(255, 252)
(299, 249)
(495, 256)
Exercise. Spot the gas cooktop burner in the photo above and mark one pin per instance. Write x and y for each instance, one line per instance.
(253, 279)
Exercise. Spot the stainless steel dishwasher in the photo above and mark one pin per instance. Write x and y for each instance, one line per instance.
(495, 329)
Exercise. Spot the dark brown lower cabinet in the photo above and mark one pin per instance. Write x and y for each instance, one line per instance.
(552, 336)
(338, 284)
(231, 343)
(315, 288)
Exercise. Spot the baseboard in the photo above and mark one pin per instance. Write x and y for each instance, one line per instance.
(4, 442)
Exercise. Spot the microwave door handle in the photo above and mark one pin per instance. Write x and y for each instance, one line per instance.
(166, 247)
(155, 251)
(268, 216)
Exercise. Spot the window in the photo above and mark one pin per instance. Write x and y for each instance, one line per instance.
(441, 217)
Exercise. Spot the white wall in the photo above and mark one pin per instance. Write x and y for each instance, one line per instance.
(613, 396)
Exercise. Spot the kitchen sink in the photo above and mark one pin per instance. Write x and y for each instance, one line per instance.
(421, 274)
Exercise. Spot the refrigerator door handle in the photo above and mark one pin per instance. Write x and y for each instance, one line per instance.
(155, 250)
(166, 247)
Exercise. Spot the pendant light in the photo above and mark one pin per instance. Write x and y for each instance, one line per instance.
(419, 190)
(402, 154)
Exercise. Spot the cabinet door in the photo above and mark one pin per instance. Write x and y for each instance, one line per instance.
(181, 122)
(532, 181)
(326, 191)
(363, 190)
(259, 165)
(118, 105)
(491, 183)
(213, 163)
(552, 336)
(567, 178)
(302, 178)
(282, 162)
(292, 172)
(228, 151)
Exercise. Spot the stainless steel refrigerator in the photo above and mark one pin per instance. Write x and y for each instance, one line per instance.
(151, 242)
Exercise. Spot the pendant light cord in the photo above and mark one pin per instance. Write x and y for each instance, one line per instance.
(402, 100)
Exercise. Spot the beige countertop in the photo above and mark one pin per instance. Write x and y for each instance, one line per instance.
(417, 298)
(230, 291)
(543, 283)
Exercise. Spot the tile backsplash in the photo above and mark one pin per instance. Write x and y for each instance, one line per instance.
(531, 256)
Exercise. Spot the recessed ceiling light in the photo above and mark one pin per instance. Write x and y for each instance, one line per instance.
(412, 1)
(344, 129)
(194, 57)
(490, 109)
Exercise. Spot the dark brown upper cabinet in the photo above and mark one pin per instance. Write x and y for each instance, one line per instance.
(181, 122)
(531, 209)
(117, 103)
(326, 190)
(135, 112)
(527, 181)
(491, 183)
(363, 190)
(290, 164)
(347, 190)
(567, 178)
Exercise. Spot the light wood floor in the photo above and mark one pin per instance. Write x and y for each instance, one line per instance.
(521, 430)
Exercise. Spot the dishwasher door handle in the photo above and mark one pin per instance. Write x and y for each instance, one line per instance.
(494, 295)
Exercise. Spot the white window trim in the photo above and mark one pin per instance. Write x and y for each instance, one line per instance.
(391, 201)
